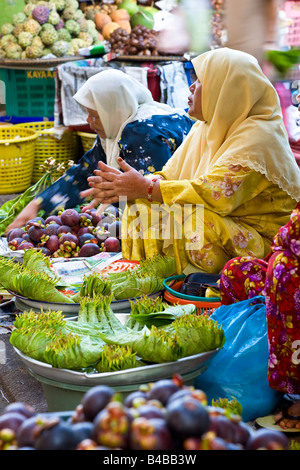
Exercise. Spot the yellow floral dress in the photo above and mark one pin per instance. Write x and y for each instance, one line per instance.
(230, 212)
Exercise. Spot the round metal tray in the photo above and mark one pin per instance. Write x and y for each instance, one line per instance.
(138, 375)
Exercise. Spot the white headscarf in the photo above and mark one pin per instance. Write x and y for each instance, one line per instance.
(118, 99)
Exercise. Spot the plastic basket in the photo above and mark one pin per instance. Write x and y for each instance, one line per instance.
(87, 140)
(48, 146)
(172, 294)
(29, 92)
(16, 158)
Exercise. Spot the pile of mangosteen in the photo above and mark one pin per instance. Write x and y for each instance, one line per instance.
(70, 233)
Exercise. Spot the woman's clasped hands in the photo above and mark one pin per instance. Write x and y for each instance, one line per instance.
(109, 184)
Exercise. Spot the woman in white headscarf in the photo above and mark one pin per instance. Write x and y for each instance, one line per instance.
(128, 123)
(227, 189)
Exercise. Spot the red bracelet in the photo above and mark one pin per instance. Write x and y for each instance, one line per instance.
(150, 189)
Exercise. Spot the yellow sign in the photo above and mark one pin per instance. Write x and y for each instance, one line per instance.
(41, 73)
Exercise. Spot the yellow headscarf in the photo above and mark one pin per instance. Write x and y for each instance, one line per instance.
(243, 124)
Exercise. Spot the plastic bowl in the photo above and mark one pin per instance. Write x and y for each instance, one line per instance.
(204, 305)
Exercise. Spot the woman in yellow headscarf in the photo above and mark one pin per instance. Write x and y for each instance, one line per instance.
(227, 189)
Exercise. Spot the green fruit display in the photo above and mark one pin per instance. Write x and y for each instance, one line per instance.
(144, 18)
(130, 6)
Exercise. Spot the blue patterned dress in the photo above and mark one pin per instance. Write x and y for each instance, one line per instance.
(145, 146)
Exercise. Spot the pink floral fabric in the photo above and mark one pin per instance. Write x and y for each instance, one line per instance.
(277, 277)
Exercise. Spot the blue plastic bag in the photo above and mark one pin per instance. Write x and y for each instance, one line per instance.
(240, 368)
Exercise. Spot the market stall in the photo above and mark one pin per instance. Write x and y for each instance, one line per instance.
(100, 352)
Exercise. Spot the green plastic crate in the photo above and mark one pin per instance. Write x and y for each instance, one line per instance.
(29, 92)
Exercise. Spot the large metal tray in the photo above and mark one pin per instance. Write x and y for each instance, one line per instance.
(139, 375)
(23, 303)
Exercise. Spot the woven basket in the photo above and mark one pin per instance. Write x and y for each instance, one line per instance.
(48, 146)
(87, 140)
(17, 150)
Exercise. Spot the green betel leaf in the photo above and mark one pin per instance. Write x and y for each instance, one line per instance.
(70, 351)
(36, 261)
(198, 332)
(162, 317)
(32, 332)
(152, 345)
(35, 285)
(115, 358)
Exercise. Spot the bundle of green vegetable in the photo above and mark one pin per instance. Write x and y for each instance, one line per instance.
(145, 278)
(36, 280)
(98, 341)
(10, 209)
(189, 334)
(33, 279)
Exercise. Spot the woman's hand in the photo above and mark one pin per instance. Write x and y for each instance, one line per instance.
(28, 213)
(109, 184)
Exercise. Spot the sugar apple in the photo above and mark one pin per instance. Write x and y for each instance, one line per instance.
(19, 18)
(78, 43)
(90, 12)
(48, 35)
(7, 28)
(18, 29)
(64, 35)
(71, 50)
(68, 14)
(25, 39)
(7, 39)
(34, 51)
(60, 4)
(28, 9)
(13, 51)
(91, 24)
(32, 26)
(72, 4)
(84, 26)
(86, 37)
(94, 34)
(54, 18)
(41, 14)
(49, 5)
(73, 27)
(60, 48)
(46, 51)
(78, 14)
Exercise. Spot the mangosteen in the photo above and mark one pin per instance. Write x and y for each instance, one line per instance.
(89, 249)
(15, 233)
(68, 241)
(112, 245)
(52, 228)
(115, 229)
(25, 245)
(85, 219)
(14, 243)
(64, 229)
(87, 238)
(70, 217)
(53, 219)
(53, 243)
(36, 232)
